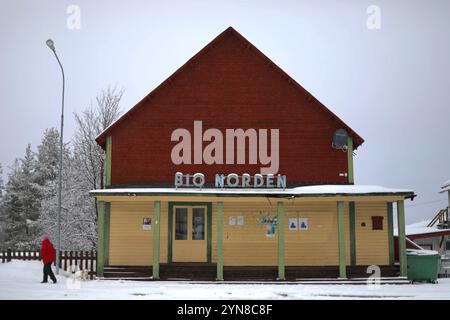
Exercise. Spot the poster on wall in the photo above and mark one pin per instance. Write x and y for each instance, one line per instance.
(293, 224)
(270, 230)
(146, 223)
(270, 223)
(232, 221)
(240, 220)
(303, 223)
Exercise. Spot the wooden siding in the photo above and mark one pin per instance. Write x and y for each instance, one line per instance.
(372, 246)
(129, 244)
(248, 245)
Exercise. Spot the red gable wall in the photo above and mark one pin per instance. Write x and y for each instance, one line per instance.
(228, 85)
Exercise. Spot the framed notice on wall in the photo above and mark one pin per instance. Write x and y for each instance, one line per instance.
(303, 223)
(146, 223)
(293, 224)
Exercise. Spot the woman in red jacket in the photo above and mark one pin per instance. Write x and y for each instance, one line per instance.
(48, 257)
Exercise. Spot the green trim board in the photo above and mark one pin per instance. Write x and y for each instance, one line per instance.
(352, 227)
(107, 231)
(280, 227)
(108, 159)
(100, 238)
(401, 238)
(350, 159)
(390, 225)
(169, 232)
(208, 227)
(219, 276)
(341, 239)
(209, 235)
(156, 239)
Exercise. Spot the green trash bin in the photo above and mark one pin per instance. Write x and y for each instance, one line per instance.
(423, 265)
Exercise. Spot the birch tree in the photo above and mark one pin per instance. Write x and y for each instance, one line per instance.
(90, 123)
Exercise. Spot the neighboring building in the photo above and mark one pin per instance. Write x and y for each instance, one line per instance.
(287, 207)
(431, 234)
(424, 235)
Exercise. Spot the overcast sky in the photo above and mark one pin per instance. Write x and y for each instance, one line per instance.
(391, 84)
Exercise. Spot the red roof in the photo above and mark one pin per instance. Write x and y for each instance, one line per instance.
(357, 140)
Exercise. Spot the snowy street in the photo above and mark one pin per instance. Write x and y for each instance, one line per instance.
(21, 280)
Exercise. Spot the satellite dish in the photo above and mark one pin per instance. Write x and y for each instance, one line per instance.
(340, 139)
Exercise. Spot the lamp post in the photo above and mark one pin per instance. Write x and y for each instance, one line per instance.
(51, 45)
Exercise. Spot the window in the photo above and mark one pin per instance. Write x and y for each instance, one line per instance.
(377, 223)
(181, 226)
(198, 224)
(447, 245)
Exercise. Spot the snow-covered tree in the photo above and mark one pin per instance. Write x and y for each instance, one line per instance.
(82, 172)
(78, 218)
(2, 211)
(31, 180)
(31, 195)
(47, 177)
(2, 186)
(48, 157)
(89, 160)
(21, 203)
(90, 123)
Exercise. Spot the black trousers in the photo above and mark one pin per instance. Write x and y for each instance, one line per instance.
(48, 272)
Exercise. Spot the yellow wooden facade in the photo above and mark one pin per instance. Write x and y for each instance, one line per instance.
(247, 244)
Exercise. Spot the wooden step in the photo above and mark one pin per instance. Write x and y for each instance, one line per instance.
(207, 272)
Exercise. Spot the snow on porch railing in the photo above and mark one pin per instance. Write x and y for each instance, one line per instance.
(71, 261)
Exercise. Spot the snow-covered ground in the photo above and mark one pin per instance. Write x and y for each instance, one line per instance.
(20, 280)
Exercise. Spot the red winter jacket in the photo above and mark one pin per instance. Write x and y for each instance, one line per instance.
(47, 252)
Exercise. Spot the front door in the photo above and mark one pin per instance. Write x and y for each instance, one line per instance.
(189, 230)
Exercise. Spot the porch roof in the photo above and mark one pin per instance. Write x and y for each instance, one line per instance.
(305, 191)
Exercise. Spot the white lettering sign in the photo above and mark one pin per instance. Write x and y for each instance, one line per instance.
(231, 180)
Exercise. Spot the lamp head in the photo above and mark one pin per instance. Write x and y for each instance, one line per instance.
(50, 44)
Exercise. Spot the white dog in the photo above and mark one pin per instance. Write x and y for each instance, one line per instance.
(82, 275)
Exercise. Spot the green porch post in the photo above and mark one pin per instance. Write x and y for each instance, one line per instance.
(352, 224)
(219, 241)
(401, 237)
(100, 238)
(107, 231)
(156, 239)
(341, 239)
(108, 161)
(350, 160)
(280, 222)
(390, 223)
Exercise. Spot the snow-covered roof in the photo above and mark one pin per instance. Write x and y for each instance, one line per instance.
(420, 228)
(322, 190)
(445, 187)
(415, 252)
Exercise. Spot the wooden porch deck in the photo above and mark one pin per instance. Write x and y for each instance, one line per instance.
(207, 272)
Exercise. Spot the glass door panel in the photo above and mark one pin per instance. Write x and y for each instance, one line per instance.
(198, 224)
(181, 224)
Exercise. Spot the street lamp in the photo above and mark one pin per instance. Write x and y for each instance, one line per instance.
(51, 45)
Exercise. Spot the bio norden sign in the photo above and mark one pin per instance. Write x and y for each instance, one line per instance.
(231, 180)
